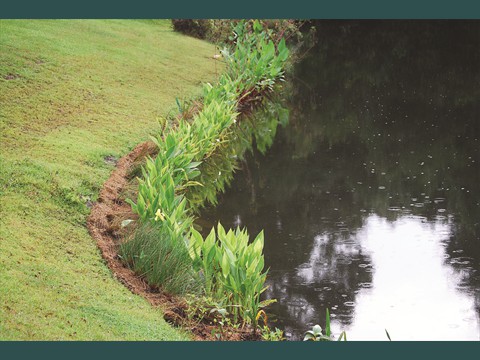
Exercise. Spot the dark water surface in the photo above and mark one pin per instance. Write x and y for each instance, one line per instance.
(370, 197)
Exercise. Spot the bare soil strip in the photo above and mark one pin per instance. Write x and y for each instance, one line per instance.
(104, 225)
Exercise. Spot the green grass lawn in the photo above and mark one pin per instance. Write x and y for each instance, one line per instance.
(71, 93)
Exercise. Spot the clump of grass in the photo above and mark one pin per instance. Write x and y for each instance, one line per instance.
(162, 259)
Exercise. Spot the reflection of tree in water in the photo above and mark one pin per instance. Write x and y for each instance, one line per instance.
(384, 120)
(310, 250)
(408, 93)
(329, 278)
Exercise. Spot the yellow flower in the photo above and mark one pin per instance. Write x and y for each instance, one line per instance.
(159, 215)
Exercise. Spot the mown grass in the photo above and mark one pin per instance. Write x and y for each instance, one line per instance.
(71, 93)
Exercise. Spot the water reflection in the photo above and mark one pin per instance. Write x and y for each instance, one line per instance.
(413, 293)
(370, 197)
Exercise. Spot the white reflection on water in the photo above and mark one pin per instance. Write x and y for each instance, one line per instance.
(414, 293)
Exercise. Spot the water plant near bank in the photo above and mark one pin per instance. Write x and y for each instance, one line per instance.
(171, 187)
(232, 269)
(318, 334)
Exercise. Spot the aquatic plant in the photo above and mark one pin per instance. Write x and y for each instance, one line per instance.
(255, 62)
(253, 65)
(232, 269)
(217, 170)
(318, 334)
(272, 335)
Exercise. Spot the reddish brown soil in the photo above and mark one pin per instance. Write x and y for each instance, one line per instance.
(104, 226)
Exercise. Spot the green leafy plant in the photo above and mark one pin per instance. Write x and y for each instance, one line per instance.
(256, 62)
(253, 66)
(266, 333)
(232, 269)
(272, 335)
(318, 334)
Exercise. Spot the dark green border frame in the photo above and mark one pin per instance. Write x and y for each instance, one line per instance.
(240, 351)
(333, 9)
(229, 9)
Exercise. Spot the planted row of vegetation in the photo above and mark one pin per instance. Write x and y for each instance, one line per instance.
(219, 30)
(165, 249)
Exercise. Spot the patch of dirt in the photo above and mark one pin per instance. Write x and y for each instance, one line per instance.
(110, 160)
(104, 225)
(11, 76)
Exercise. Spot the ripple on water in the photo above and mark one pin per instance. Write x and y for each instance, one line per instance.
(304, 266)
(394, 208)
(366, 285)
(349, 303)
(344, 261)
(461, 260)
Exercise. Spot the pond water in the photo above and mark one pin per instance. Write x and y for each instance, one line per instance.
(370, 196)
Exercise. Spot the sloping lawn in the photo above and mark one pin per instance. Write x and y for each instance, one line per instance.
(71, 94)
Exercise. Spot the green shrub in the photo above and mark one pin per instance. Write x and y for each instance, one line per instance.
(198, 28)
